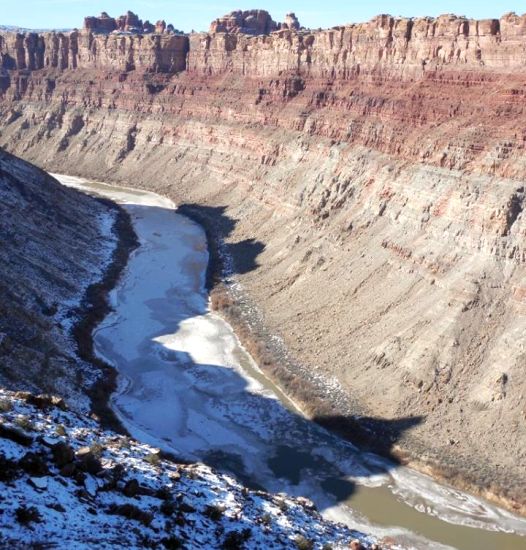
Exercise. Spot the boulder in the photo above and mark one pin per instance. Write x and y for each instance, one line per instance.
(39, 483)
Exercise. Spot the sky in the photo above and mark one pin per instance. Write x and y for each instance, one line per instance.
(197, 14)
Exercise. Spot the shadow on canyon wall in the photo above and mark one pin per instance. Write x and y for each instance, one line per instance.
(295, 448)
(241, 257)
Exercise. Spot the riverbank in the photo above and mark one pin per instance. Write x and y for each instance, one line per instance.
(94, 308)
(321, 401)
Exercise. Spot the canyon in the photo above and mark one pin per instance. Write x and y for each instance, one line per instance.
(66, 479)
(367, 183)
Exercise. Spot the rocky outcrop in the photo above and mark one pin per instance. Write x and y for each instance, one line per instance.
(422, 48)
(85, 50)
(252, 22)
(382, 162)
(407, 48)
(291, 22)
(127, 23)
(127, 493)
(103, 23)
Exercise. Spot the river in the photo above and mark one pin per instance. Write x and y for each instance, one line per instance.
(187, 385)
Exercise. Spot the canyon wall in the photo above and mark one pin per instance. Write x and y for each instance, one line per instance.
(375, 175)
(86, 50)
(408, 47)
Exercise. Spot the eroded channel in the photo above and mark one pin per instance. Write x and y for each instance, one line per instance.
(189, 387)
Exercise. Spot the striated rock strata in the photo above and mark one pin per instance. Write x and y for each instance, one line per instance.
(380, 166)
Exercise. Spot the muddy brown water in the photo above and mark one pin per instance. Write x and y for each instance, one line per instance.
(188, 386)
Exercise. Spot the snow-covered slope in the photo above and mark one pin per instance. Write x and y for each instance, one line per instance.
(66, 483)
(54, 243)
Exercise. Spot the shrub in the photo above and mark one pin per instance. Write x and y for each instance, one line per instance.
(129, 511)
(235, 540)
(25, 423)
(8, 469)
(60, 430)
(153, 458)
(97, 449)
(282, 505)
(266, 519)
(172, 543)
(27, 514)
(168, 507)
(214, 512)
(6, 405)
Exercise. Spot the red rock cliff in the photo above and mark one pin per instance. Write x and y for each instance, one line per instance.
(83, 49)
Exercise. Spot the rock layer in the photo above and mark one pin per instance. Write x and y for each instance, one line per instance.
(381, 168)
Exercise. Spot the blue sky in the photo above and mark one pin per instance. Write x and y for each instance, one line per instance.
(197, 14)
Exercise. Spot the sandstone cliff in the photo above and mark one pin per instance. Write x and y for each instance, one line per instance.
(381, 166)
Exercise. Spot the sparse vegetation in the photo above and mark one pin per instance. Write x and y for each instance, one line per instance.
(60, 430)
(214, 512)
(172, 543)
(282, 505)
(130, 511)
(5, 405)
(97, 449)
(235, 540)
(266, 519)
(25, 423)
(168, 508)
(153, 458)
(27, 514)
